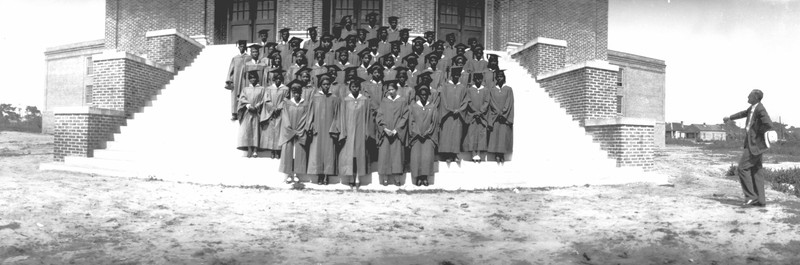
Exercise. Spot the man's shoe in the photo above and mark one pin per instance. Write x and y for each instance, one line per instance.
(749, 202)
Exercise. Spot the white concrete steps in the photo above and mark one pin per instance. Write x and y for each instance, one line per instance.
(186, 135)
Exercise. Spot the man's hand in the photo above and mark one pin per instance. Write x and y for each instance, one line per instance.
(726, 119)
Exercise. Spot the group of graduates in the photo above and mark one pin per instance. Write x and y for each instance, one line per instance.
(367, 100)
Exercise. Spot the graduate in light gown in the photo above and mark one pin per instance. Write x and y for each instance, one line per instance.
(250, 100)
(324, 109)
(501, 138)
(294, 130)
(477, 118)
(351, 132)
(276, 92)
(392, 117)
(423, 136)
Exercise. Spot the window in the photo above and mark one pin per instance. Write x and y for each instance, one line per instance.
(89, 66)
(87, 95)
(620, 76)
(619, 104)
(356, 8)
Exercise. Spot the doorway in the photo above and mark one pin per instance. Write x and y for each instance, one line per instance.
(465, 18)
(246, 17)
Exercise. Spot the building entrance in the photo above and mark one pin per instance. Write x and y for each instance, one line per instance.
(246, 17)
(463, 17)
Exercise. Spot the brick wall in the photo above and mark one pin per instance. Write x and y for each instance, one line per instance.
(171, 49)
(541, 57)
(79, 131)
(125, 82)
(128, 21)
(295, 14)
(586, 91)
(631, 145)
(582, 23)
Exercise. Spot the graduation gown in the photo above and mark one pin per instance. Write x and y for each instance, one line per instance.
(391, 115)
(453, 102)
(476, 66)
(308, 92)
(362, 73)
(287, 58)
(322, 153)
(271, 116)
(234, 75)
(249, 118)
(393, 34)
(351, 127)
(476, 119)
(405, 49)
(423, 138)
(501, 116)
(384, 47)
(293, 139)
(372, 32)
(407, 92)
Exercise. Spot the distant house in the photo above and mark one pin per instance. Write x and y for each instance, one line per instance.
(703, 132)
(674, 130)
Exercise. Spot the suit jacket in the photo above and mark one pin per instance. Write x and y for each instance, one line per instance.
(754, 140)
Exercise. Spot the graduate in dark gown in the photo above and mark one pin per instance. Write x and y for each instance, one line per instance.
(322, 153)
(423, 136)
(250, 101)
(392, 117)
(501, 138)
(476, 115)
(350, 130)
(233, 81)
(276, 93)
(294, 133)
(452, 104)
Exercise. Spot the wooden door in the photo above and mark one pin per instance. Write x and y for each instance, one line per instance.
(247, 17)
(463, 17)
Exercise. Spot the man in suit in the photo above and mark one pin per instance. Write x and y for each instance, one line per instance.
(757, 125)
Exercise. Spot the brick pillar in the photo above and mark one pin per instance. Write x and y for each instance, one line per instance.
(126, 82)
(171, 49)
(628, 140)
(81, 130)
(541, 55)
(587, 90)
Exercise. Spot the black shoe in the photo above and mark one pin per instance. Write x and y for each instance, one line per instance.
(418, 182)
(325, 181)
(319, 180)
(425, 182)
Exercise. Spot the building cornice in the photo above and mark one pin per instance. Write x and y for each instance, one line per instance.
(597, 64)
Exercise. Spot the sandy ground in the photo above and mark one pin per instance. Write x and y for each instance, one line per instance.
(65, 218)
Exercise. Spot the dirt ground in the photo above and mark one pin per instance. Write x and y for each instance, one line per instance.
(66, 218)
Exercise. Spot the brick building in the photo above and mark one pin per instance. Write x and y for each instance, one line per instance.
(563, 44)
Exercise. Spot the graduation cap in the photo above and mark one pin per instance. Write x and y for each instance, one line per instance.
(362, 31)
(479, 46)
(241, 42)
(450, 34)
(391, 82)
(320, 50)
(350, 38)
(423, 87)
(372, 14)
(298, 82)
(400, 69)
(472, 39)
(314, 28)
(364, 52)
(296, 39)
(477, 74)
(456, 70)
(410, 56)
(459, 56)
(423, 74)
(350, 69)
(396, 43)
(432, 56)
(301, 70)
(326, 37)
(342, 49)
(300, 50)
(405, 30)
(374, 67)
(263, 31)
(350, 16)
(430, 32)
(461, 46)
(356, 80)
(274, 52)
(387, 56)
(500, 72)
(253, 72)
(393, 18)
(373, 42)
(270, 44)
(254, 46)
(322, 77)
(284, 30)
(383, 28)
(333, 67)
(419, 39)
(493, 56)
(278, 71)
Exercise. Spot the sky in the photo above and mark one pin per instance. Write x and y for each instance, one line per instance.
(716, 51)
